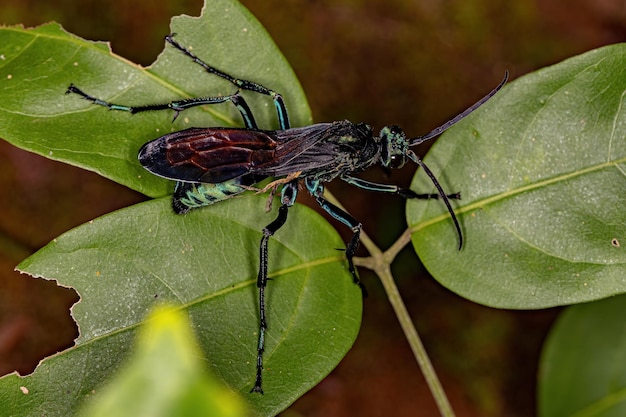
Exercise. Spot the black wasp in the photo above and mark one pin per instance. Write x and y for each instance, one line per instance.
(216, 163)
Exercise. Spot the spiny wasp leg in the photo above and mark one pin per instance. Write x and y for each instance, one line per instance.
(279, 103)
(288, 198)
(177, 106)
(317, 190)
(394, 189)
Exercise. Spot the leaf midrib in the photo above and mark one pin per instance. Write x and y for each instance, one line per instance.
(519, 190)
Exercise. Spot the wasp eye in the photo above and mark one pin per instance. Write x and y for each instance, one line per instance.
(396, 161)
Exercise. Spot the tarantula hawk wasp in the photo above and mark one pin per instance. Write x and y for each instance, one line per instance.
(216, 163)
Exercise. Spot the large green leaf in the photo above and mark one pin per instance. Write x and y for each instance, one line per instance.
(583, 364)
(38, 65)
(124, 263)
(541, 171)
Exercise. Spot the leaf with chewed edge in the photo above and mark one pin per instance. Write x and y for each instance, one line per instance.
(123, 263)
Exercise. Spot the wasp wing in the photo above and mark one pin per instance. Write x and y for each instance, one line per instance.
(300, 149)
(322, 148)
(215, 155)
(209, 155)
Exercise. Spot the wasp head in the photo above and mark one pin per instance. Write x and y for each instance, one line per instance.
(394, 147)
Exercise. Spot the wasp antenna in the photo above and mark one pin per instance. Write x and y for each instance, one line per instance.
(439, 130)
(442, 194)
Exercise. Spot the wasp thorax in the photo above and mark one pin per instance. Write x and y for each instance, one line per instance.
(394, 147)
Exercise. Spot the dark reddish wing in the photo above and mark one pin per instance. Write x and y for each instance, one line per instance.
(209, 155)
(214, 155)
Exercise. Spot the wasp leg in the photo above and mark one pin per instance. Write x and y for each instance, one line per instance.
(407, 193)
(394, 189)
(177, 106)
(288, 197)
(279, 103)
(317, 191)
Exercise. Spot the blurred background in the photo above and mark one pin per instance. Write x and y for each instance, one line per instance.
(414, 63)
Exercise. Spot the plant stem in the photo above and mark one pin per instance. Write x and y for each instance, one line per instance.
(380, 263)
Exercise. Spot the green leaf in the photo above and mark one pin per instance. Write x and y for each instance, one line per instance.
(541, 171)
(38, 65)
(583, 366)
(165, 377)
(124, 263)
